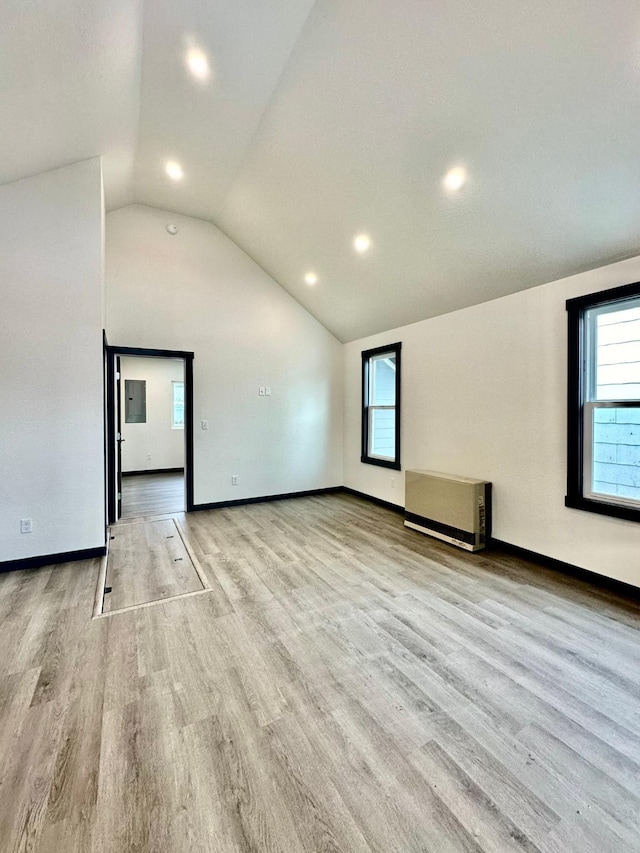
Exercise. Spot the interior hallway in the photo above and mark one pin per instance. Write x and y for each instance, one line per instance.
(152, 494)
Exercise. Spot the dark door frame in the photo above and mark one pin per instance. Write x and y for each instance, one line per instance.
(119, 438)
(112, 352)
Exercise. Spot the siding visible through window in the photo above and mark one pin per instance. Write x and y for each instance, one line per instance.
(383, 421)
(616, 431)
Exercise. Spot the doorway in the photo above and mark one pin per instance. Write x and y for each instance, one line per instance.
(149, 432)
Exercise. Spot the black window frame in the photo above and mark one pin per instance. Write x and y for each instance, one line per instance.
(576, 386)
(395, 464)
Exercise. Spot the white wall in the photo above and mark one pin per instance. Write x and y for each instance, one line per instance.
(484, 394)
(51, 417)
(197, 291)
(155, 437)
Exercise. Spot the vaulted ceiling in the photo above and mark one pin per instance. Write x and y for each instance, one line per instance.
(323, 120)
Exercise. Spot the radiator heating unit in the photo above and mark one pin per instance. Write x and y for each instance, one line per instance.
(454, 509)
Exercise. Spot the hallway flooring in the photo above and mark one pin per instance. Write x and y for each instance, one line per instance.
(152, 494)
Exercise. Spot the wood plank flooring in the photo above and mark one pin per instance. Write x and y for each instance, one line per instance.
(347, 685)
(152, 494)
(147, 561)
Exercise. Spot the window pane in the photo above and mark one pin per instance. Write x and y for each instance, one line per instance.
(178, 404)
(382, 433)
(380, 406)
(383, 380)
(617, 353)
(616, 452)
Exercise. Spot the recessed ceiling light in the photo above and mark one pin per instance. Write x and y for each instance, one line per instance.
(362, 243)
(455, 179)
(311, 278)
(174, 170)
(198, 64)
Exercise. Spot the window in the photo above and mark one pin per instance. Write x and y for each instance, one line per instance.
(177, 410)
(603, 471)
(381, 406)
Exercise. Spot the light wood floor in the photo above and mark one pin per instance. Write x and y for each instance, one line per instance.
(347, 685)
(152, 494)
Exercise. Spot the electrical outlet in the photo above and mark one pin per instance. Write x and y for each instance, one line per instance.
(26, 525)
(148, 456)
(205, 424)
(267, 392)
(234, 479)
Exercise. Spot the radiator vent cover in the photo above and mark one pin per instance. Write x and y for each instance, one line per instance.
(454, 509)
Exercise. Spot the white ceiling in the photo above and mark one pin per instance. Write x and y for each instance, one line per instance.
(70, 88)
(322, 120)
